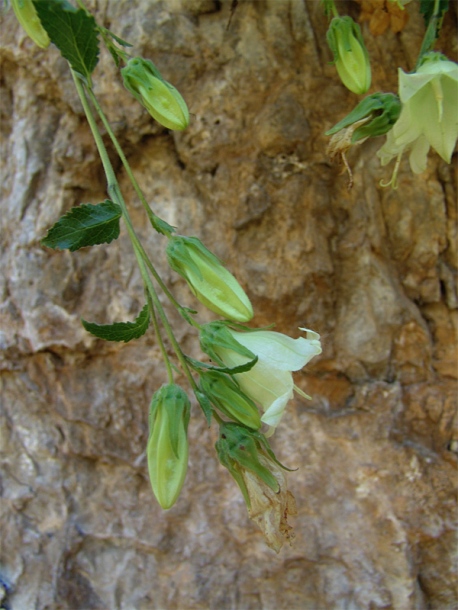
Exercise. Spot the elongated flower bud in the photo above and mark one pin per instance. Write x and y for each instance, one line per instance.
(167, 449)
(27, 16)
(230, 400)
(208, 279)
(160, 98)
(350, 54)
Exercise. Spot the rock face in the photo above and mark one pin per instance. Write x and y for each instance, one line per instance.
(372, 270)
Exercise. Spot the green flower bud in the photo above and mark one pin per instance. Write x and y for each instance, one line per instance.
(27, 16)
(229, 399)
(160, 98)
(167, 449)
(208, 279)
(376, 115)
(350, 54)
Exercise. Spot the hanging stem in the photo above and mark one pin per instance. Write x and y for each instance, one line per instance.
(152, 217)
(432, 32)
(115, 193)
(159, 337)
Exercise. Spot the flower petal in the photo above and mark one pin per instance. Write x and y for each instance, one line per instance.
(281, 351)
(266, 385)
(419, 155)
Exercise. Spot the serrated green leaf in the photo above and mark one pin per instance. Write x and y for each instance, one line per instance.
(73, 31)
(85, 225)
(120, 331)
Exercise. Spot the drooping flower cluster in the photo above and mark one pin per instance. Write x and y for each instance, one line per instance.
(249, 381)
(429, 115)
(424, 113)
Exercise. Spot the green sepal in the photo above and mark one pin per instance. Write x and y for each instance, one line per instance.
(161, 226)
(85, 225)
(179, 258)
(176, 402)
(205, 405)
(217, 334)
(383, 110)
(109, 39)
(73, 31)
(120, 331)
(237, 449)
(199, 366)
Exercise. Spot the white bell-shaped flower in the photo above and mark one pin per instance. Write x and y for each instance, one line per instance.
(270, 382)
(429, 115)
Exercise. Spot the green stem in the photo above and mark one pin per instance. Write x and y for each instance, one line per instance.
(330, 8)
(141, 256)
(152, 309)
(431, 34)
(153, 217)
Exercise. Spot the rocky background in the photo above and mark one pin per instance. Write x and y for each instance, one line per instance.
(372, 270)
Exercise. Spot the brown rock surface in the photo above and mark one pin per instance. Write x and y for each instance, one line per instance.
(373, 271)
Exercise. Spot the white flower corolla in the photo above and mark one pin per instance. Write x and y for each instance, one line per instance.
(270, 382)
(429, 115)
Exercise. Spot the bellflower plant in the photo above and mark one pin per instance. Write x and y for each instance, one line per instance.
(429, 115)
(251, 368)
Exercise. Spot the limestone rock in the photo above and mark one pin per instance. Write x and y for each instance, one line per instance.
(373, 271)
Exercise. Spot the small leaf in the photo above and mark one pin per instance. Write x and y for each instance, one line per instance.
(85, 225)
(73, 31)
(120, 331)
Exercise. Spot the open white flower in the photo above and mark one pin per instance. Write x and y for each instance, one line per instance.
(429, 115)
(270, 382)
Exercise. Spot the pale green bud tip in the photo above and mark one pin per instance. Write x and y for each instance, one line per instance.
(208, 279)
(350, 54)
(27, 16)
(160, 98)
(167, 450)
